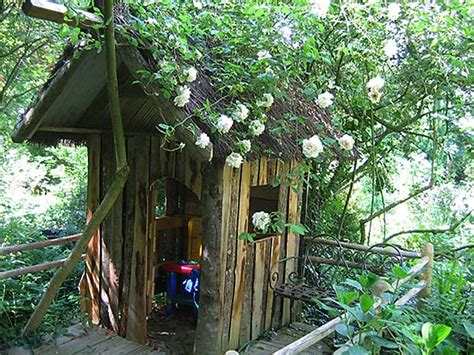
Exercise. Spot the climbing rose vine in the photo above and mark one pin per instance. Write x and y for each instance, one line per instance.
(364, 63)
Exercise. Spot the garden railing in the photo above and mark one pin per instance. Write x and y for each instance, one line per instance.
(423, 268)
(34, 246)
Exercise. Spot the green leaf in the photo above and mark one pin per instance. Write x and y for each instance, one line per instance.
(399, 272)
(366, 302)
(434, 334)
(248, 236)
(469, 328)
(356, 350)
(383, 342)
(345, 330)
(354, 284)
(349, 297)
(298, 229)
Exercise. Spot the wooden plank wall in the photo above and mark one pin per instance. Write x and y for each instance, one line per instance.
(118, 284)
(250, 306)
(129, 249)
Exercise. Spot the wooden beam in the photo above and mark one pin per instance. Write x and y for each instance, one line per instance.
(49, 11)
(170, 222)
(38, 245)
(78, 130)
(35, 268)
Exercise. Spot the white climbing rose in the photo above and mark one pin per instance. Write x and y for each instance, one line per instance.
(198, 54)
(374, 96)
(198, 5)
(325, 99)
(312, 147)
(241, 113)
(261, 220)
(224, 123)
(390, 48)
(245, 146)
(203, 140)
(375, 83)
(235, 160)
(320, 7)
(183, 97)
(266, 102)
(191, 74)
(256, 127)
(263, 54)
(346, 142)
(393, 11)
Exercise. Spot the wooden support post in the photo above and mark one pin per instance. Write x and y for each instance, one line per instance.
(50, 11)
(211, 316)
(428, 251)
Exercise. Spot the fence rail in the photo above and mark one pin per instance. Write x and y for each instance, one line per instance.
(34, 268)
(34, 246)
(38, 245)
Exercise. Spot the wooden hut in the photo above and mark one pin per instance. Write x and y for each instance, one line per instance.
(208, 204)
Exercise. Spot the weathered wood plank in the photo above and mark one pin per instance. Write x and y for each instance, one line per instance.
(258, 309)
(151, 226)
(292, 243)
(271, 171)
(136, 324)
(107, 171)
(262, 172)
(133, 145)
(283, 169)
(90, 280)
(246, 321)
(241, 253)
(254, 168)
(273, 269)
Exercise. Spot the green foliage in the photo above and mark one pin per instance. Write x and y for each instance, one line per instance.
(444, 326)
(375, 324)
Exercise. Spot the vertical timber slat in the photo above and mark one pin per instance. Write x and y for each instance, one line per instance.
(128, 228)
(107, 174)
(90, 284)
(282, 170)
(258, 289)
(137, 324)
(274, 257)
(292, 243)
(239, 273)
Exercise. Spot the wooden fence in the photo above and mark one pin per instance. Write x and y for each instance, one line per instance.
(422, 288)
(34, 246)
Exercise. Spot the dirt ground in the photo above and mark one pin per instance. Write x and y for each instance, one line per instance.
(173, 335)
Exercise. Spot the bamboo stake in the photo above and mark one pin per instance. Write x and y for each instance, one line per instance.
(115, 188)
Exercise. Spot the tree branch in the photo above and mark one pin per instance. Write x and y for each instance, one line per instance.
(450, 229)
